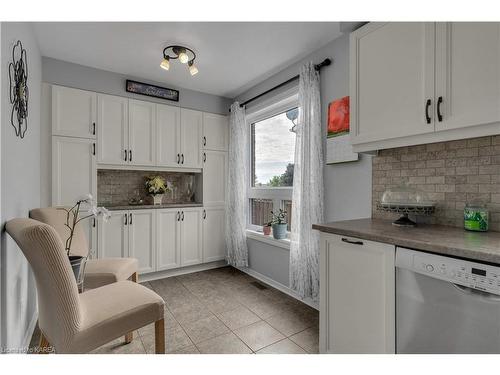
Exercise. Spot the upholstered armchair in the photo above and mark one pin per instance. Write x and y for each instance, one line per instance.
(98, 272)
(79, 323)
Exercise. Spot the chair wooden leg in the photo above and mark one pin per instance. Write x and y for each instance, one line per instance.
(44, 345)
(130, 336)
(160, 336)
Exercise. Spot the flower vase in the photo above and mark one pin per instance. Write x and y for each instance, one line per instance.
(157, 199)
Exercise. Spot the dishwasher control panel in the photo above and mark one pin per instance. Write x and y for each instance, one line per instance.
(467, 273)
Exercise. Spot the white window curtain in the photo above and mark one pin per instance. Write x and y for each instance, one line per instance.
(308, 189)
(237, 202)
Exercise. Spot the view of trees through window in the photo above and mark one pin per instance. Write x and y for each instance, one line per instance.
(273, 148)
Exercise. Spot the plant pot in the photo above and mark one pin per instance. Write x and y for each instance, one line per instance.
(279, 231)
(78, 266)
(267, 230)
(157, 199)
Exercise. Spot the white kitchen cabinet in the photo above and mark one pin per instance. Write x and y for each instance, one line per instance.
(419, 83)
(215, 132)
(113, 236)
(112, 129)
(168, 136)
(142, 123)
(191, 236)
(168, 239)
(467, 74)
(73, 169)
(214, 178)
(357, 296)
(142, 239)
(191, 138)
(392, 80)
(214, 242)
(73, 112)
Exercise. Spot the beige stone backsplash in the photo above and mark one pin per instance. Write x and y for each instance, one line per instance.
(117, 187)
(452, 173)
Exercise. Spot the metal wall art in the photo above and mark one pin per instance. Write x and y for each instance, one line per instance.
(19, 93)
(152, 90)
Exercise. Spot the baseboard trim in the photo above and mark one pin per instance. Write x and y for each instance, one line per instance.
(282, 288)
(29, 332)
(181, 271)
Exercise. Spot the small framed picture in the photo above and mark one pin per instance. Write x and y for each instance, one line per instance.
(152, 90)
(338, 146)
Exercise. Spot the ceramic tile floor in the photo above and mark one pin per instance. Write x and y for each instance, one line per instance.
(223, 311)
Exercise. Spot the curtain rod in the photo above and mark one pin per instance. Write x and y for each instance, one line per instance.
(325, 62)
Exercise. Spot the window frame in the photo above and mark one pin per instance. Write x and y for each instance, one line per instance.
(278, 104)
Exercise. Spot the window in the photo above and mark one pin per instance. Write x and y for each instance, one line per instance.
(271, 161)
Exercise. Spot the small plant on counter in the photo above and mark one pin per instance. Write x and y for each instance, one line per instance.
(279, 224)
(156, 187)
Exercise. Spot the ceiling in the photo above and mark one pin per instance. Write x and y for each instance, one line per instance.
(231, 56)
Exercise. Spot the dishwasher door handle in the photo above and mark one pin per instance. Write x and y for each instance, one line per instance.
(476, 293)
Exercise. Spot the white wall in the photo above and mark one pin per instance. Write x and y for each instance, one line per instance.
(20, 190)
(347, 186)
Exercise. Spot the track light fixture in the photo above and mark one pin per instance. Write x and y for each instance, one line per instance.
(184, 54)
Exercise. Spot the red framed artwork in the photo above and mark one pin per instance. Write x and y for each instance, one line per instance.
(338, 117)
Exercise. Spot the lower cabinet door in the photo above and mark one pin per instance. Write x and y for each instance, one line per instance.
(357, 296)
(191, 236)
(168, 242)
(113, 236)
(214, 242)
(142, 241)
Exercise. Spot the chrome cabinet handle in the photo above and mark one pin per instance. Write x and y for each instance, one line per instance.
(130, 221)
(182, 217)
(204, 141)
(93, 128)
(182, 162)
(178, 215)
(204, 157)
(125, 155)
(178, 158)
(93, 148)
(204, 214)
(126, 219)
(351, 241)
(130, 155)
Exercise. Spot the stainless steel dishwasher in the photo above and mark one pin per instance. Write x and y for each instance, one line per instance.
(446, 305)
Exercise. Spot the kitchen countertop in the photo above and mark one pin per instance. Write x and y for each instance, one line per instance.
(439, 239)
(150, 206)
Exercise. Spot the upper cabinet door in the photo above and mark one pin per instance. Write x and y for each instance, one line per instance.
(215, 132)
(142, 240)
(467, 74)
(73, 169)
(191, 138)
(391, 80)
(73, 112)
(112, 128)
(214, 178)
(142, 123)
(191, 236)
(168, 119)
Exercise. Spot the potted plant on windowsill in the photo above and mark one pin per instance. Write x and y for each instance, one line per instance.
(279, 224)
(266, 228)
(156, 187)
(87, 205)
